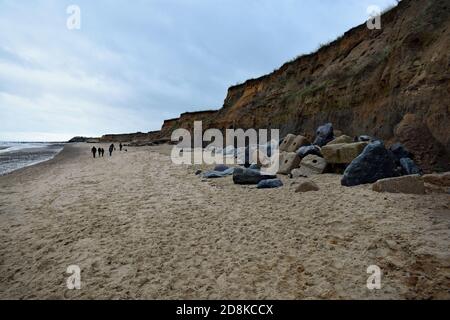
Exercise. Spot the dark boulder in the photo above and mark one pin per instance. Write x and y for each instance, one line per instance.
(255, 167)
(270, 184)
(220, 167)
(307, 150)
(409, 167)
(373, 164)
(218, 174)
(249, 176)
(324, 134)
(364, 139)
(400, 152)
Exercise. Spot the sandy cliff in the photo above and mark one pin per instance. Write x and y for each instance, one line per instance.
(366, 82)
(391, 83)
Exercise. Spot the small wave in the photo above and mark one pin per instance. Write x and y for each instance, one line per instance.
(19, 155)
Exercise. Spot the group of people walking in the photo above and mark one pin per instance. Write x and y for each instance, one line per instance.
(101, 151)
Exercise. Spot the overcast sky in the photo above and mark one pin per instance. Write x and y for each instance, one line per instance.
(135, 63)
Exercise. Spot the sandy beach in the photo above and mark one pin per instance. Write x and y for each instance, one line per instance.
(141, 227)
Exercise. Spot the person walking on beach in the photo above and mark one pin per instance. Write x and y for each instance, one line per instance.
(100, 152)
(120, 146)
(94, 151)
(111, 148)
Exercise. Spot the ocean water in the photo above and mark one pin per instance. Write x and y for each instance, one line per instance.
(17, 155)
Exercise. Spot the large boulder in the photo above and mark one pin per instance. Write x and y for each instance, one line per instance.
(249, 176)
(286, 142)
(373, 164)
(409, 167)
(288, 161)
(297, 143)
(270, 184)
(400, 151)
(221, 167)
(255, 167)
(342, 153)
(437, 182)
(311, 165)
(307, 150)
(306, 186)
(324, 134)
(412, 184)
(341, 139)
(218, 174)
(439, 179)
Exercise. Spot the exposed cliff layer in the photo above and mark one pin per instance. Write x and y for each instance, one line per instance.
(366, 82)
(186, 121)
(127, 137)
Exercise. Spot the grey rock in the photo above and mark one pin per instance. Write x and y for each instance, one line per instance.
(324, 134)
(218, 174)
(270, 184)
(373, 164)
(307, 186)
(412, 184)
(221, 167)
(409, 167)
(288, 162)
(248, 176)
(307, 150)
(311, 165)
(400, 152)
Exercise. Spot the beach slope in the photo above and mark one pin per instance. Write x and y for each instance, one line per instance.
(140, 227)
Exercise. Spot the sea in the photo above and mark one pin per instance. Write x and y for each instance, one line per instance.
(17, 155)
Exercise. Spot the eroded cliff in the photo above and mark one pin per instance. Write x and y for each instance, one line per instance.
(365, 82)
(393, 84)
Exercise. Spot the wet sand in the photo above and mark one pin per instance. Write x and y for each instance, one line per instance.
(141, 227)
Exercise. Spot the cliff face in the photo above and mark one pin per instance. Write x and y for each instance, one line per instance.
(127, 137)
(393, 84)
(186, 121)
(364, 83)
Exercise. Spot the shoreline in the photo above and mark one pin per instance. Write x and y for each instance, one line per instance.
(34, 163)
(140, 227)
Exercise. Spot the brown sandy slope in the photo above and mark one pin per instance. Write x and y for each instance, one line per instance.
(366, 82)
(141, 227)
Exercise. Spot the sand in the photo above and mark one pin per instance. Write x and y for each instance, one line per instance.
(141, 227)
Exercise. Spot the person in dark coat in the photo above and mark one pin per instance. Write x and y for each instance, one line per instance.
(94, 151)
(111, 148)
(120, 146)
